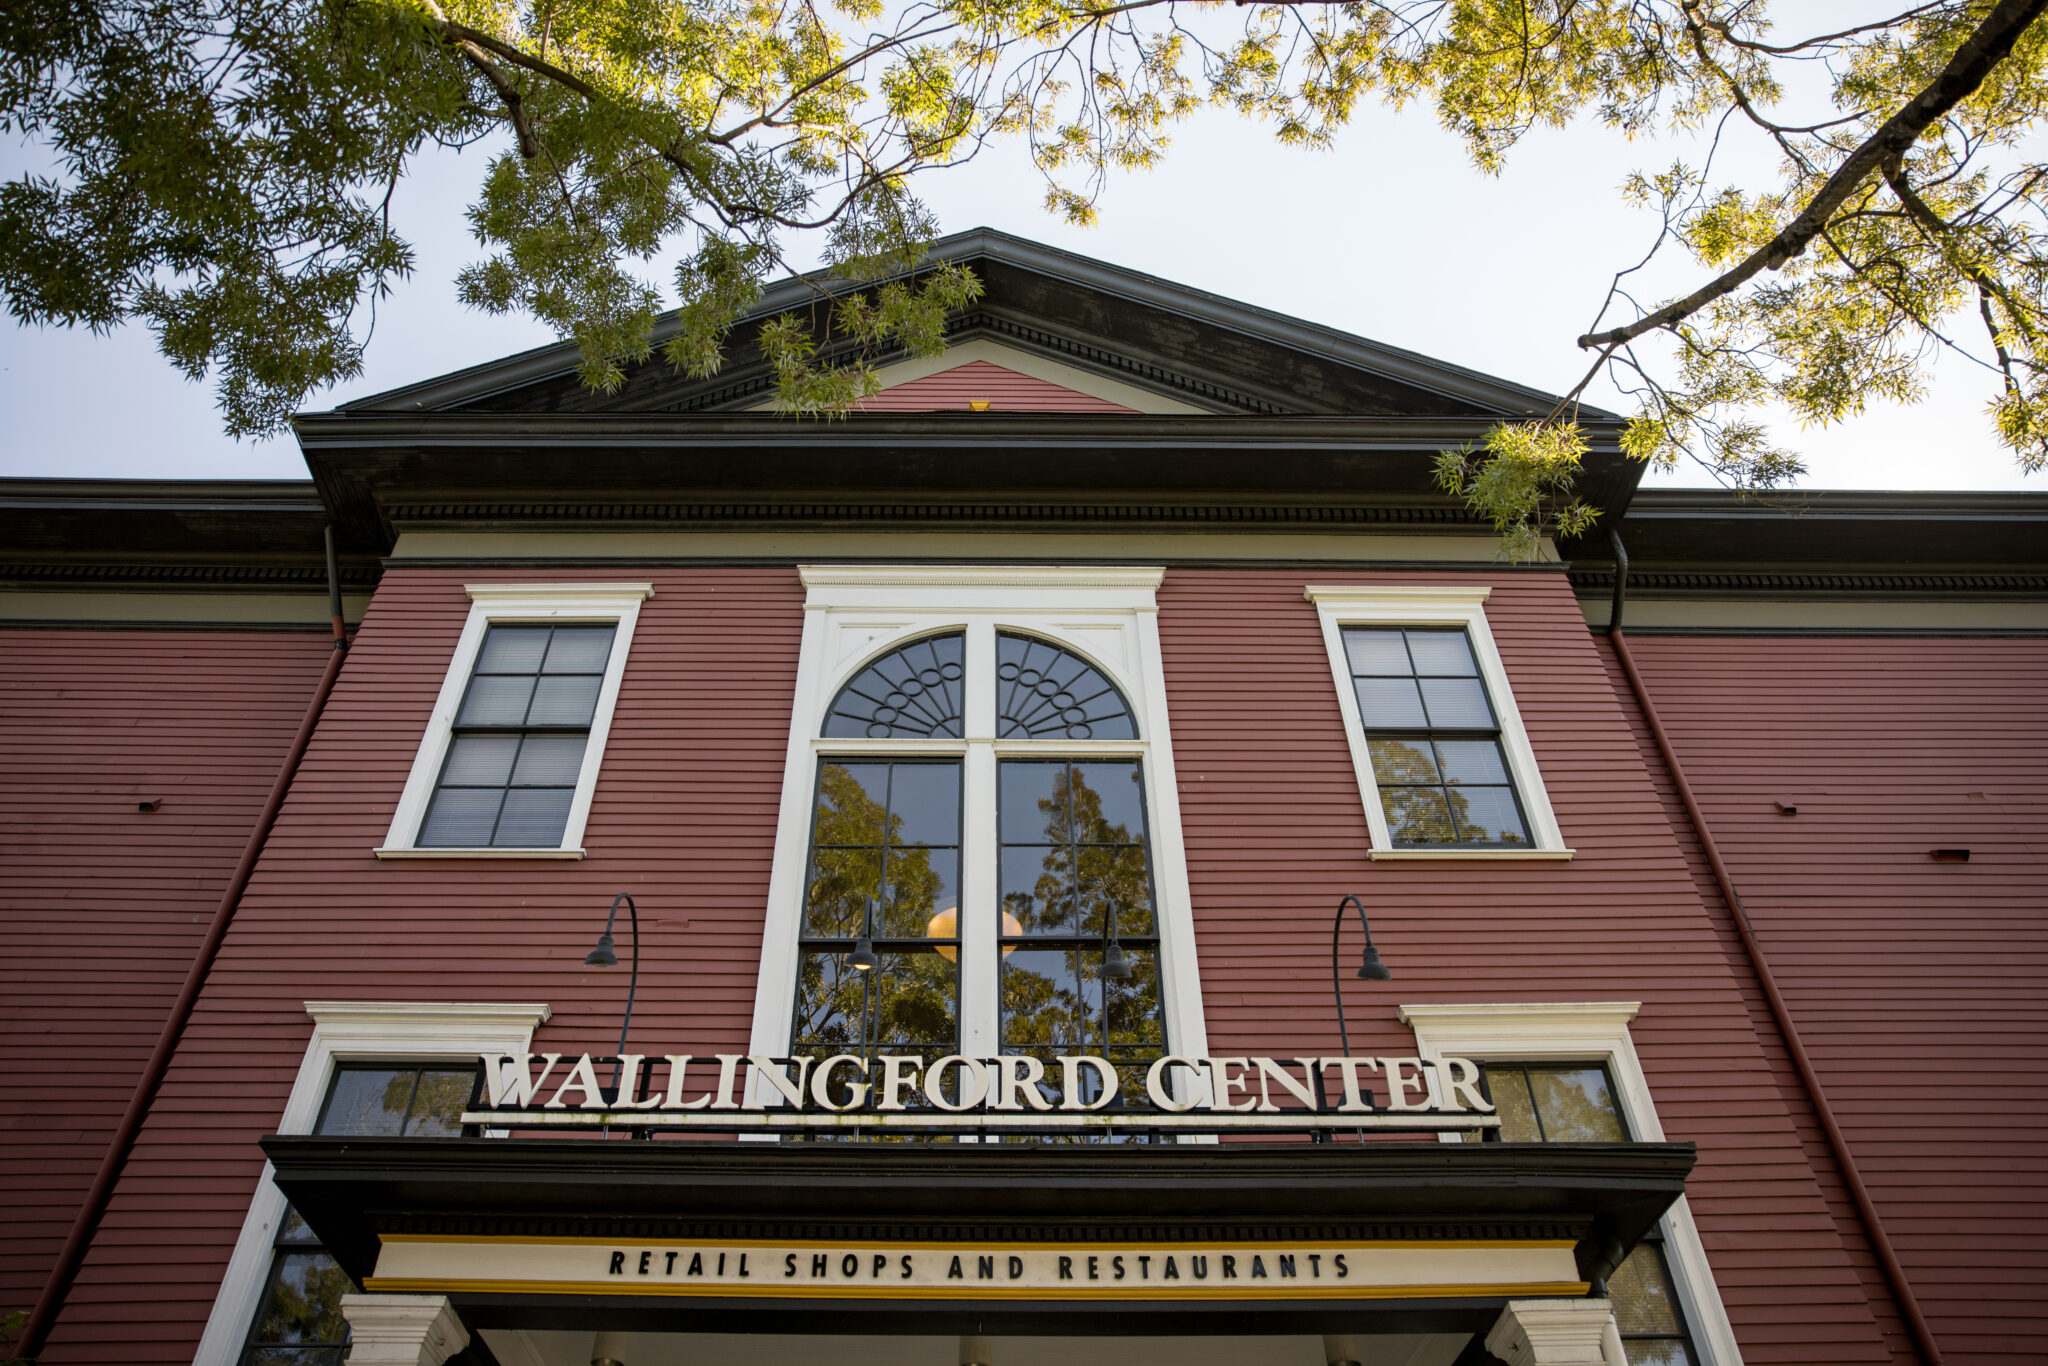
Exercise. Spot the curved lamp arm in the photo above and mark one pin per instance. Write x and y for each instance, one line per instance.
(1369, 966)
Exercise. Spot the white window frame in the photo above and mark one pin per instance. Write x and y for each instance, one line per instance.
(1342, 605)
(1588, 1032)
(506, 604)
(348, 1031)
(856, 614)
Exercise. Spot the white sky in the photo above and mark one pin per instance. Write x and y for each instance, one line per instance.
(1392, 236)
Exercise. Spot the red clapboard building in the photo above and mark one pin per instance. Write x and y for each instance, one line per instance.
(643, 878)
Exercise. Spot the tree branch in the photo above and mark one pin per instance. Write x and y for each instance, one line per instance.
(1982, 51)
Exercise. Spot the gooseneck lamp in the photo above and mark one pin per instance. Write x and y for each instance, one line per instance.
(863, 959)
(1369, 965)
(606, 955)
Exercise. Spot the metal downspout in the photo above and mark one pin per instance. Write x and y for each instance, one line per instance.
(1781, 1012)
(35, 1333)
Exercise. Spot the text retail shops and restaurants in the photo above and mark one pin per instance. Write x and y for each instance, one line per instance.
(1089, 859)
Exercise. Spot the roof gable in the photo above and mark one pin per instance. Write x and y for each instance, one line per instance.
(1164, 347)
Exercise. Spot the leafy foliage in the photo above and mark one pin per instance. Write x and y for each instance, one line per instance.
(223, 171)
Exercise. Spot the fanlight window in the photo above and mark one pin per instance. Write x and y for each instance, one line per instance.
(1045, 693)
(913, 692)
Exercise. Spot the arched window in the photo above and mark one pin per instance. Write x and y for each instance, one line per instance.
(979, 874)
(1047, 693)
(914, 691)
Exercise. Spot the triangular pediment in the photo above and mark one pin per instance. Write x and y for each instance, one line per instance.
(1052, 332)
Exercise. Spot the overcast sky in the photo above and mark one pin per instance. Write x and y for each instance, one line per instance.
(1392, 236)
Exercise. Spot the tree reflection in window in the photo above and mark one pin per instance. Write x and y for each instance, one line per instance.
(1434, 739)
(914, 691)
(1076, 872)
(1575, 1103)
(299, 1322)
(885, 864)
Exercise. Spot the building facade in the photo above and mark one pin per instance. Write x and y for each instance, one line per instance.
(966, 791)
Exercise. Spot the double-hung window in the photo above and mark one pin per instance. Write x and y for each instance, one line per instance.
(1444, 765)
(509, 763)
(986, 859)
(1575, 1103)
(299, 1322)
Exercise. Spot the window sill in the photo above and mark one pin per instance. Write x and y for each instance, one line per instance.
(389, 853)
(1428, 855)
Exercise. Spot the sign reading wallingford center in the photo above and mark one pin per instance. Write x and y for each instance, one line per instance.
(741, 1092)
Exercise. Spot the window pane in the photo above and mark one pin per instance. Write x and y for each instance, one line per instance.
(550, 760)
(1044, 692)
(924, 804)
(1641, 1292)
(917, 1000)
(566, 701)
(1418, 815)
(533, 818)
(295, 1356)
(1376, 652)
(496, 702)
(512, 650)
(1038, 888)
(852, 804)
(1402, 761)
(914, 691)
(292, 1229)
(1472, 761)
(843, 882)
(1454, 703)
(1389, 704)
(438, 1104)
(305, 1301)
(1442, 652)
(480, 760)
(461, 818)
(1045, 1002)
(1120, 877)
(1487, 815)
(1034, 802)
(1650, 1352)
(1109, 803)
(368, 1101)
(1576, 1104)
(1132, 1008)
(579, 650)
(829, 997)
(921, 883)
(1510, 1089)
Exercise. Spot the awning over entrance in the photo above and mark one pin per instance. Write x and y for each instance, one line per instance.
(960, 1238)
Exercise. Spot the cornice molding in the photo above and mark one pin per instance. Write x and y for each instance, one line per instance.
(1595, 583)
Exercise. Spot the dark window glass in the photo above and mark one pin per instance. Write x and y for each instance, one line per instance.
(1575, 1103)
(299, 1322)
(885, 864)
(1076, 873)
(1434, 738)
(914, 691)
(1046, 693)
(519, 738)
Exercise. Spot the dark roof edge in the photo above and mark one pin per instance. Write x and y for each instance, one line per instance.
(295, 495)
(1410, 367)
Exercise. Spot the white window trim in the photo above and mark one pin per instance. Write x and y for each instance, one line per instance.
(856, 614)
(1342, 605)
(1590, 1031)
(347, 1031)
(616, 604)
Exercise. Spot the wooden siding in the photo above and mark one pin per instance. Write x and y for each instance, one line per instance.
(684, 818)
(1276, 835)
(1916, 984)
(1005, 390)
(103, 905)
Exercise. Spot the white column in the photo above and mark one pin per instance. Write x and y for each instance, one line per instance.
(402, 1330)
(980, 916)
(1556, 1333)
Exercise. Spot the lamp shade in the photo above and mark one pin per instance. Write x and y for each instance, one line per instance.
(1371, 968)
(605, 955)
(863, 959)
